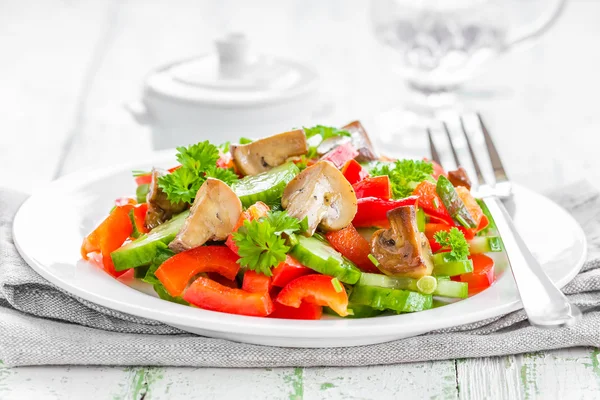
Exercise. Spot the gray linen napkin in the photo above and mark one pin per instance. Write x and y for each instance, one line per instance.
(43, 325)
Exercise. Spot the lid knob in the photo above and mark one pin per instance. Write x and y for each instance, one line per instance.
(235, 57)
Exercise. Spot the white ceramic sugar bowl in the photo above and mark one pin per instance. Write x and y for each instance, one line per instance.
(226, 95)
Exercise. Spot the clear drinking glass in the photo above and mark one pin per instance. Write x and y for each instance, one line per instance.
(439, 44)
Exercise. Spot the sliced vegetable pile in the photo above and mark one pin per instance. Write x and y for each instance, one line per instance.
(299, 223)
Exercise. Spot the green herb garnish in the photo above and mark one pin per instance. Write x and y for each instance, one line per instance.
(453, 240)
(404, 175)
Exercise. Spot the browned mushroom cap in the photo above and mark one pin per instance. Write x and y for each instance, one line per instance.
(323, 195)
(359, 138)
(213, 216)
(160, 209)
(264, 154)
(459, 177)
(402, 250)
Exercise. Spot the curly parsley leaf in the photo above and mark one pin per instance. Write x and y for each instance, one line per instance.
(198, 157)
(181, 185)
(453, 240)
(224, 147)
(325, 132)
(224, 174)
(404, 175)
(259, 247)
(198, 162)
(283, 223)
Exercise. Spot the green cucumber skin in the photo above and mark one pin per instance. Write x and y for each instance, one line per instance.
(141, 192)
(391, 299)
(143, 250)
(452, 268)
(267, 187)
(445, 287)
(453, 203)
(319, 256)
(485, 244)
(421, 220)
(452, 289)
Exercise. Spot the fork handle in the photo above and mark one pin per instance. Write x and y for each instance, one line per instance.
(546, 306)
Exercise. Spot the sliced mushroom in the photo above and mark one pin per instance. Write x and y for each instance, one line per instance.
(359, 138)
(323, 195)
(213, 216)
(264, 154)
(402, 250)
(459, 177)
(160, 209)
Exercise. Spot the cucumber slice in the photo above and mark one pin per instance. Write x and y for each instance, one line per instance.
(421, 219)
(141, 192)
(267, 187)
(390, 299)
(444, 286)
(391, 282)
(447, 288)
(321, 257)
(143, 250)
(485, 244)
(443, 265)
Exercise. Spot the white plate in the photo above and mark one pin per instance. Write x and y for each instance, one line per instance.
(50, 226)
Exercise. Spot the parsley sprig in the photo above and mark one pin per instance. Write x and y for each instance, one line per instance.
(262, 243)
(325, 132)
(404, 175)
(198, 162)
(453, 240)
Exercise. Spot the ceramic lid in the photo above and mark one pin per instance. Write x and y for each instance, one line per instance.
(233, 76)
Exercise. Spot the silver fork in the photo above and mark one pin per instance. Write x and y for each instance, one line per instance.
(546, 306)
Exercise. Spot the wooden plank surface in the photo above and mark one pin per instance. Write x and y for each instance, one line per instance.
(89, 58)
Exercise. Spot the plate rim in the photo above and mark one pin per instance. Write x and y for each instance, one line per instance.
(170, 313)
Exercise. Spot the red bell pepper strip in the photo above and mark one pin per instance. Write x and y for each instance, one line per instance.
(210, 295)
(341, 154)
(314, 289)
(352, 246)
(431, 203)
(256, 283)
(305, 311)
(109, 236)
(432, 229)
(482, 276)
(139, 217)
(376, 186)
(354, 172)
(287, 271)
(145, 179)
(230, 283)
(176, 272)
(255, 211)
(373, 211)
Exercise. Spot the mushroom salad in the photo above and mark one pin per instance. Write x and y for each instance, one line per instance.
(298, 224)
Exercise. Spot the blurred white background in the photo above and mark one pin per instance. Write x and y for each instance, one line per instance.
(70, 66)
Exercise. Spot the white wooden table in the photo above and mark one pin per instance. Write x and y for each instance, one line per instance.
(68, 67)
